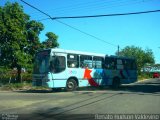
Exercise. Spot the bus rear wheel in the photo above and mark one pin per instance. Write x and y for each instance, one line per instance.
(71, 85)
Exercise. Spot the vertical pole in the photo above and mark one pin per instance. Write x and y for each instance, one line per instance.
(0, 52)
(118, 50)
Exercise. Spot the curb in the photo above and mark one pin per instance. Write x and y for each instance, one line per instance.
(139, 81)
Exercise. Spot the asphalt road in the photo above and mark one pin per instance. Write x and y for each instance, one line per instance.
(86, 103)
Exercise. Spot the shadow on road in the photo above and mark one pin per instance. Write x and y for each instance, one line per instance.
(42, 91)
(145, 87)
(35, 91)
(59, 112)
(151, 86)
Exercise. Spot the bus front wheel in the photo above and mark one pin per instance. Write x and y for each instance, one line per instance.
(71, 85)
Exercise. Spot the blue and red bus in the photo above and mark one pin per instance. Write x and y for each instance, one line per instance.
(59, 68)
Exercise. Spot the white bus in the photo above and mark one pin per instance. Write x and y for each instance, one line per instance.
(59, 68)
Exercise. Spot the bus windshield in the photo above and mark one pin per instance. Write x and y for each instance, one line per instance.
(41, 64)
(45, 63)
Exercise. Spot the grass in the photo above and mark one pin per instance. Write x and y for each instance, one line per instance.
(16, 86)
(21, 86)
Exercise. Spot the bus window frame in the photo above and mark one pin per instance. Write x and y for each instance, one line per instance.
(83, 64)
(95, 60)
(130, 64)
(112, 63)
(74, 60)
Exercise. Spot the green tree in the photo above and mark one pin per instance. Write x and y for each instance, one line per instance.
(149, 57)
(13, 37)
(51, 42)
(18, 37)
(33, 30)
(142, 56)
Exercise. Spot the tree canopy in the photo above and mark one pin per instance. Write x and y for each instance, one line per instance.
(19, 37)
(51, 42)
(33, 30)
(142, 56)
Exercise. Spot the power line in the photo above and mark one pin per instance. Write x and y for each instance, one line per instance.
(86, 33)
(88, 7)
(73, 7)
(69, 25)
(36, 9)
(94, 5)
(105, 15)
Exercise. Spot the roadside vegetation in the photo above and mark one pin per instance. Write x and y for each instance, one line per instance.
(19, 40)
(144, 76)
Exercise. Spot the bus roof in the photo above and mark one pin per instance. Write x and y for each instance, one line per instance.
(76, 52)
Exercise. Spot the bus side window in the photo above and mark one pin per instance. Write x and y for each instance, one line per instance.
(72, 61)
(98, 62)
(85, 61)
(133, 65)
(57, 64)
(110, 63)
(120, 64)
(125, 63)
(129, 64)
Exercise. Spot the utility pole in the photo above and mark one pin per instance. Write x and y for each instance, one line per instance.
(118, 50)
(0, 52)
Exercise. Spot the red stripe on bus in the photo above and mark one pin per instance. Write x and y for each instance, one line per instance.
(89, 77)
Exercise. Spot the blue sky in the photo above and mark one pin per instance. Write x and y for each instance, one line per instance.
(139, 30)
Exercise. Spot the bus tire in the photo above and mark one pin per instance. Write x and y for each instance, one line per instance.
(116, 83)
(71, 84)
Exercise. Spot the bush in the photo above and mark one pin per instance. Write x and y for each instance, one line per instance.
(144, 75)
(26, 77)
(5, 75)
(9, 76)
